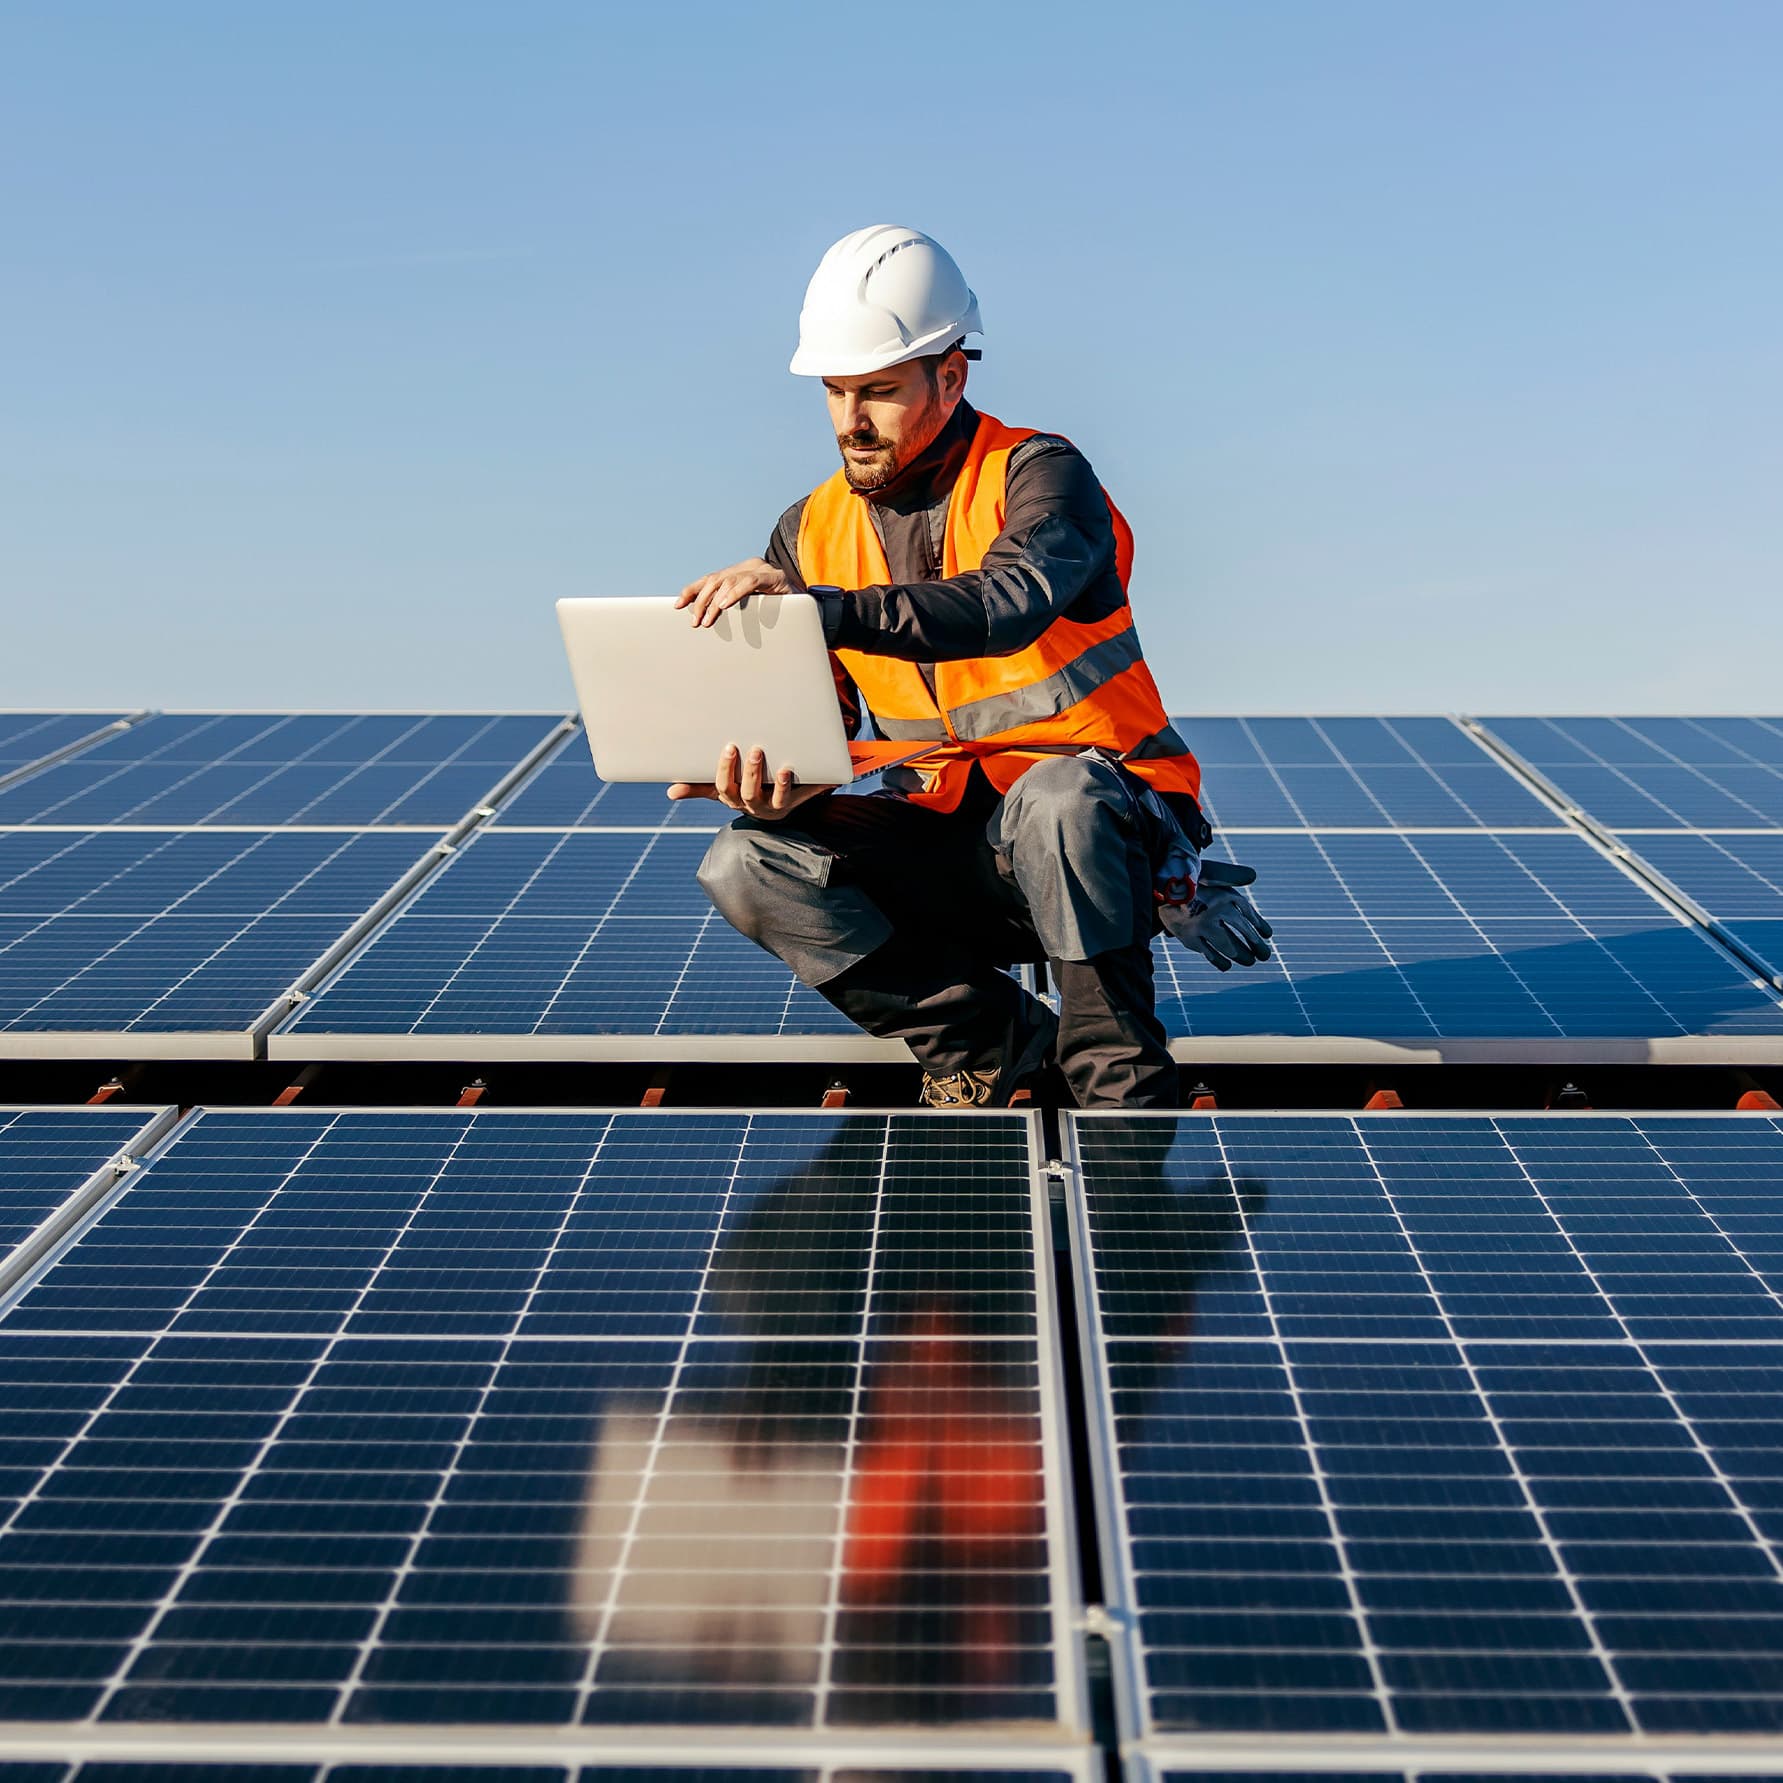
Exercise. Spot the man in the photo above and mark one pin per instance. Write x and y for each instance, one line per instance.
(973, 583)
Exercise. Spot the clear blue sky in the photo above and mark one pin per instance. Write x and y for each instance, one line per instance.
(1435, 350)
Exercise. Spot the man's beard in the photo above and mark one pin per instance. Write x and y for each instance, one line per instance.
(863, 479)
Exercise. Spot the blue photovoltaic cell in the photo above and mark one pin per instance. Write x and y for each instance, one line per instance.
(48, 1153)
(1459, 936)
(26, 737)
(566, 793)
(564, 1419)
(270, 768)
(114, 930)
(1659, 773)
(1456, 1425)
(1256, 771)
(1349, 772)
(1738, 880)
(567, 933)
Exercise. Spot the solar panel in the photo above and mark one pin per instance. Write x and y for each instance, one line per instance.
(1632, 1770)
(1340, 772)
(566, 793)
(26, 737)
(1658, 773)
(1737, 879)
(278, 768)
(1445, 1426)
(121, 940)
(48, 1154)
(550, 1420)
(1459, 945)
(189, 1770)
(550, 941)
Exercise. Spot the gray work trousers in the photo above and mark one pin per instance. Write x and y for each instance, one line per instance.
(901, 917)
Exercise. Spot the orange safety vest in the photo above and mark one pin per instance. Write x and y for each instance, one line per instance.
(1074, 686)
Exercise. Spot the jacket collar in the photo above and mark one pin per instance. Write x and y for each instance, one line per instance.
(931, 475)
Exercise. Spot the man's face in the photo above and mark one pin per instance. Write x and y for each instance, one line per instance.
(883, 419)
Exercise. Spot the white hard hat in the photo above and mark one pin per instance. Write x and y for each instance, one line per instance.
(878, 297)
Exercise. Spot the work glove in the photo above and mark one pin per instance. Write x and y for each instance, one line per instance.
(1220, 922)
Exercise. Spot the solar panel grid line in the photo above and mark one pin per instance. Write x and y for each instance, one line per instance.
(405, 1564)
(23, 769)
(919, 1167)
(407, 770)
(832, 1608)
(1767, 969)
(1366, 1761)
(1371, 1654)
(1719, 782)
(352, 941)
(1586, 1158)
(488, 808)
(1548, 790)
(1709, 1459)
(212, 720)
(566, 944)
(140, 1643)
(1610, 841)
(60, 1225)
(148, 940)
(1114, 1534)
(290, 1755)
(652, 1459)
(1538, 1514)
(1319, 772)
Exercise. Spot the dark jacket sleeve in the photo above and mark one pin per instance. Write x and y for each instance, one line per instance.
(783, 554)
(1055, 555)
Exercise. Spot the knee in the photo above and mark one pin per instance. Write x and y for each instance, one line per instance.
(1067, 800)
(733, 874)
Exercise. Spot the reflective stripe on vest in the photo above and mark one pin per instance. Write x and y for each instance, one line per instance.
(1076, 685)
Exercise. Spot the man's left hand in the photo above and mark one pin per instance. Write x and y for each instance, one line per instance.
(1222, 924)
(743, 784)
(712, 594)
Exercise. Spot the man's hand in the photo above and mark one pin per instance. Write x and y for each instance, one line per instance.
(743, 785)
(1222, 924)
(712, 594)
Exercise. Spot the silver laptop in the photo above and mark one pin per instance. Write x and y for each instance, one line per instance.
(661, 700)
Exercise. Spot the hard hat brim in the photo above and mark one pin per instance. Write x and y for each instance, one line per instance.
(814, 359)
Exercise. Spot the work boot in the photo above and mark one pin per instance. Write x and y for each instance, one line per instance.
(1024, 1056)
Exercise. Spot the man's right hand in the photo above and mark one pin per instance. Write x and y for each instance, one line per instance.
(742, 783)
(712, 594)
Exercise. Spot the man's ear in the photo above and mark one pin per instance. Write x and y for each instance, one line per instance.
(950, 378)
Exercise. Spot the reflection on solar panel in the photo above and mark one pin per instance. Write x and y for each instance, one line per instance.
(46, 1154)
(153, 932)
(1442, 1426)
(1326, 772)
(539, 935)
(566, 793)
(26, 737)
(1511, 938)
(546, 1419)
(271, 768)
(1658, 773)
